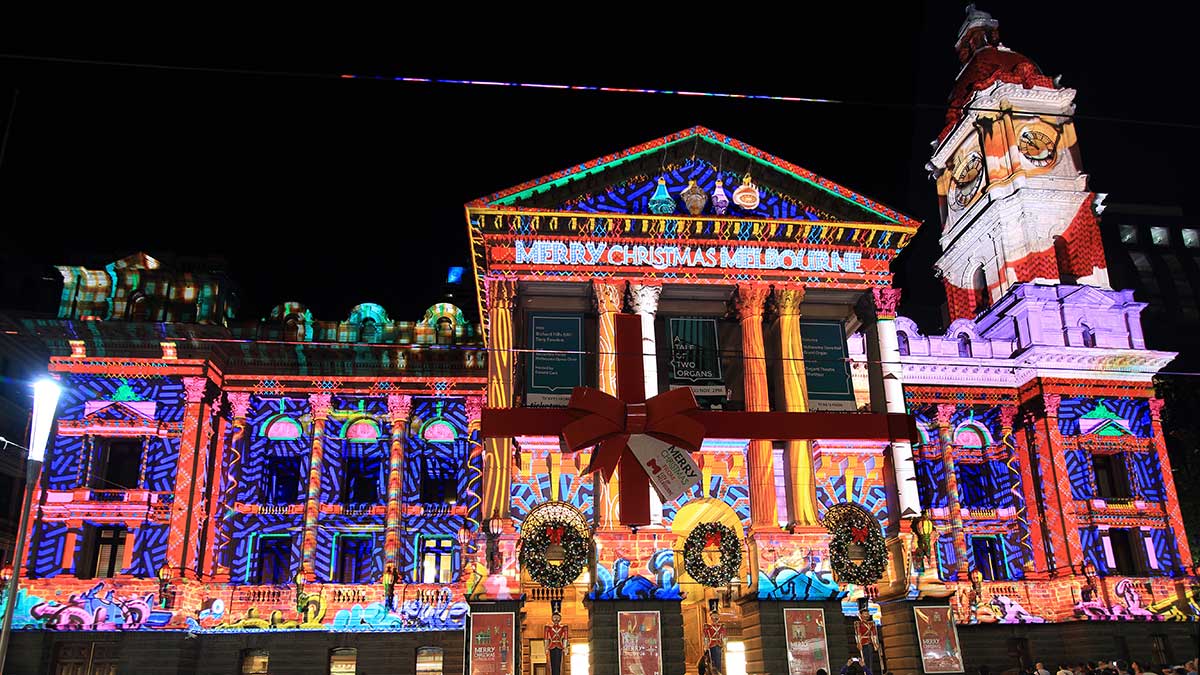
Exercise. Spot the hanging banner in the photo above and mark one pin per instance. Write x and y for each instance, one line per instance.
(555, 360)
(938, 638)
(639, 643)
(807, 649)
(826, 366)
(493, 640)
(696, 357)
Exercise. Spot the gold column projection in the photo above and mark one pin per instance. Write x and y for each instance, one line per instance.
(802, 480)
(610, 297)
(749, 303)
(501, 299)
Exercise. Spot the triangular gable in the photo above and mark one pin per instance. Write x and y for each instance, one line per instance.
(1101, 421)
(632, 171)
(119, 410)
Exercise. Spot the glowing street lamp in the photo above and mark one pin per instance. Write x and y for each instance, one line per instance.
(45, 402)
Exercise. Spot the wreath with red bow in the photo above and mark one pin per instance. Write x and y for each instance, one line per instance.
(534, 542)
(866, 535)
(710, 535)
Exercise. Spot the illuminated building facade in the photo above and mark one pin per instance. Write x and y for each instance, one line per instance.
(240, 482)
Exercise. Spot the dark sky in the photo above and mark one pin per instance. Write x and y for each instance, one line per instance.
(335, 192)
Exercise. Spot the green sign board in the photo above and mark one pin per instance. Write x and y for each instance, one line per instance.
(695, 356)
(826, 366)
(555, 362)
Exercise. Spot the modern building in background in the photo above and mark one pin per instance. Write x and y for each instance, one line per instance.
(291, 494)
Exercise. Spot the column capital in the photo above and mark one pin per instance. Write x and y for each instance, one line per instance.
(194, 388)
(320, 404)
(1008, 413)
(1050, 403)
(399, 407)
(945, 412)
(501, 292)
(643, 297)
(886, 300)
(1156, 408)
(475, 406)
(750, 300)
(609, 295)
(788, 299)
(239, 403)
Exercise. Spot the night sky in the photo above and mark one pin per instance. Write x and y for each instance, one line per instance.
(334, 192)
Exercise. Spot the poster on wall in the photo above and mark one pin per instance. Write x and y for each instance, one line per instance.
(492, 643)
(938, 638)
(696, 360)
(555, 360)
(639, 643)
(807, 650)
(827, 366)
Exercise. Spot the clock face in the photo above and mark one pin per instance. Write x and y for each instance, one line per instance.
(966, 180)
(1037, 144)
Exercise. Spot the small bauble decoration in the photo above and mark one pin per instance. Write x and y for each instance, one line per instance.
(694, 198)
(661, 202)
(746, 196)
(720, 200)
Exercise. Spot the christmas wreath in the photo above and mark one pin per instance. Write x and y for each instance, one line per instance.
(872, 566)
(706, 535)
(575, 550)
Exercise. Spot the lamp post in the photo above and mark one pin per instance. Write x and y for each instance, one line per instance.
(45, 401)
(493, 528)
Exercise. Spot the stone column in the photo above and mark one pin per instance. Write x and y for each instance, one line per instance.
(643, 300)
(609, 296)
(798, 454)
(1035, 548)
(1174, 516)
(319, 405)
(945, 427)
(131, 531)
(903, 468)
(399, 407)
(222, 497)
(183, 540)
(749, 303)
(1062, 523)
(497, 455)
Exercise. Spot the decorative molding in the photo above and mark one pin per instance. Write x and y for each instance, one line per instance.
(400, 405)
(609, 296)
(788, 300)
(320, 405)
(643, 297)
(750, 300)
(194, 388)
(886, 301)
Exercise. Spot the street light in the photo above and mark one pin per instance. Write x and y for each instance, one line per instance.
(45, 401)
(493, 528)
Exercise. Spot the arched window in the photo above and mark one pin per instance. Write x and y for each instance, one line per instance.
(368, 331)
(445, 331)
(979, 284)
(343, 661)
(902, 343)
(255, 662)
(964, 345)
(429, 661)
(1062, 256)
(1089, 337)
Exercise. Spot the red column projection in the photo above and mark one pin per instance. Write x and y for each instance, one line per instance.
(222, 512)
(497, 457)
(1174, 516)
(802, 481)
(1024, 496)
(183, 542)
(1061, 521)
(749, 303)
(610, 297)
(946, 436)
(474, 496)
(399, 407)
(319, 407)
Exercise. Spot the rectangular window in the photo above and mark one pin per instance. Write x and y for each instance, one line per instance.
(282, 480)
(361, 484)
(106, 551)
(353, 560)
(274, 560)
(1161, 236)
(439, 483)
(989, 557)
(118, 464)
(1112, 478)
(1125, 552)
(437, 560)
(1191, 237)
(86, 658)
(1129, 234)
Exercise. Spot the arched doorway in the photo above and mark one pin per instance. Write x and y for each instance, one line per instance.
(696, 596)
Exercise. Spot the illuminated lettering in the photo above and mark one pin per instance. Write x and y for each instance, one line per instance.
(585, 253)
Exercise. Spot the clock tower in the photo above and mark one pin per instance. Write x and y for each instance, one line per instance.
(1014, 200)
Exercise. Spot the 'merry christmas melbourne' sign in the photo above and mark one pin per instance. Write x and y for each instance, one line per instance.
(618, 427)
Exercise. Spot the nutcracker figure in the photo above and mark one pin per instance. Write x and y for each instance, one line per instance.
(558, 636)
(867, 638)
(713, 634)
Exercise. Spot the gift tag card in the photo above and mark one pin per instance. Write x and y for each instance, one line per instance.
(671, 469)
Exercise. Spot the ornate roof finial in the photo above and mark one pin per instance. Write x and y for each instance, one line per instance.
(978, 30)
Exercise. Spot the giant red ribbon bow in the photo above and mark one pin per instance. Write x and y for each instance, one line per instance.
(858, 534)
(555, 534)
(594, 417)
(712, 540)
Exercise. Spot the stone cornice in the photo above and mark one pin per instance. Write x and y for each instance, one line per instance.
(1003, 95)
(1125, 365)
